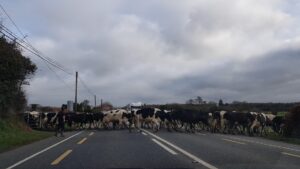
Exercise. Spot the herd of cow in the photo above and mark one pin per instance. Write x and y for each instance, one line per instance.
(248, 123)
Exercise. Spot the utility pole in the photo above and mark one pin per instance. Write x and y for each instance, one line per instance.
(101, 104)
(95, 100)
(75, 108)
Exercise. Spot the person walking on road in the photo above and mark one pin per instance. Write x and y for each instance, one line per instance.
(61, 121)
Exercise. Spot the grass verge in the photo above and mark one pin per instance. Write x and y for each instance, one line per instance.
(14, 133)
(274, 136)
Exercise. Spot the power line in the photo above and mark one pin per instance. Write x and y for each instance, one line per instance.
(23, 40)
(58, 77)
(12, 21)
(16, 39)
(27, 43)
(47, 60)
(36, 52)
(85, 86)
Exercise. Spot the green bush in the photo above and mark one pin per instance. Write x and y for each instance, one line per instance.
(292, 127)
(15, 70)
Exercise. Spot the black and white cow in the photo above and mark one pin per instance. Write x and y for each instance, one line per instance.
(258, 124)
(49, 120)
(150, 117)
(115, 118)
(217, 123)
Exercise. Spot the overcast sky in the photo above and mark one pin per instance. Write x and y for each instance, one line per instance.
(163, 51)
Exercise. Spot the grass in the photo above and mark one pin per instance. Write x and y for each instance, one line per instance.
(274, 136)
(14, 133)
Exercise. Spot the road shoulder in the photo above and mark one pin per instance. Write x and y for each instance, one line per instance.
(10, 157)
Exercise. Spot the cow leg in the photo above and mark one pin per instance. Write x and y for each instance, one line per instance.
(186, 126)
(262, 130)
(193, 128)
(251, 130)
(169, 126)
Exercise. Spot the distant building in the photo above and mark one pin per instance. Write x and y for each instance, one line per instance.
(136, 105)
(34, 107)
(105, 106)
(70, 105)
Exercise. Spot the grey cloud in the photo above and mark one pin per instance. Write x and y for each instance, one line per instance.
(270, 77)
(163, 51)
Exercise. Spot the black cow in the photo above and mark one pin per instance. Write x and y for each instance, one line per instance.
(189, 118)
(79, 120)
(165, 118)
(278, 124)
(98, 117)
(236, 120)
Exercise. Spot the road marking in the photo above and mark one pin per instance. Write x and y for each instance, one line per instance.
(82, 141)
(144, 134)
(61, 157)
(237, 142)
(42, 151)
(193, 157)
(289, 154)
(92, 133)
(165, 147)
(201, 134)
(270, 145)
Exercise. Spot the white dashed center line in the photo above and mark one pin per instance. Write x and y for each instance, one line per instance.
(237, 142)
(193, 157)
(201, 134)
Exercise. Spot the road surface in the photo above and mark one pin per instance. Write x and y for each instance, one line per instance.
(121, 149)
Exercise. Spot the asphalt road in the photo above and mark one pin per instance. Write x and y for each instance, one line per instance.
(121, 149)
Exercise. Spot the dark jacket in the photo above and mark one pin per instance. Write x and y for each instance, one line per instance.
(60, 117)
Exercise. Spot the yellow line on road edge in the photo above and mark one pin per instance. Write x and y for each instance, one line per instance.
(83, 140)
(237, 142)
(289, 154)
(61, 157)
(92, 133)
